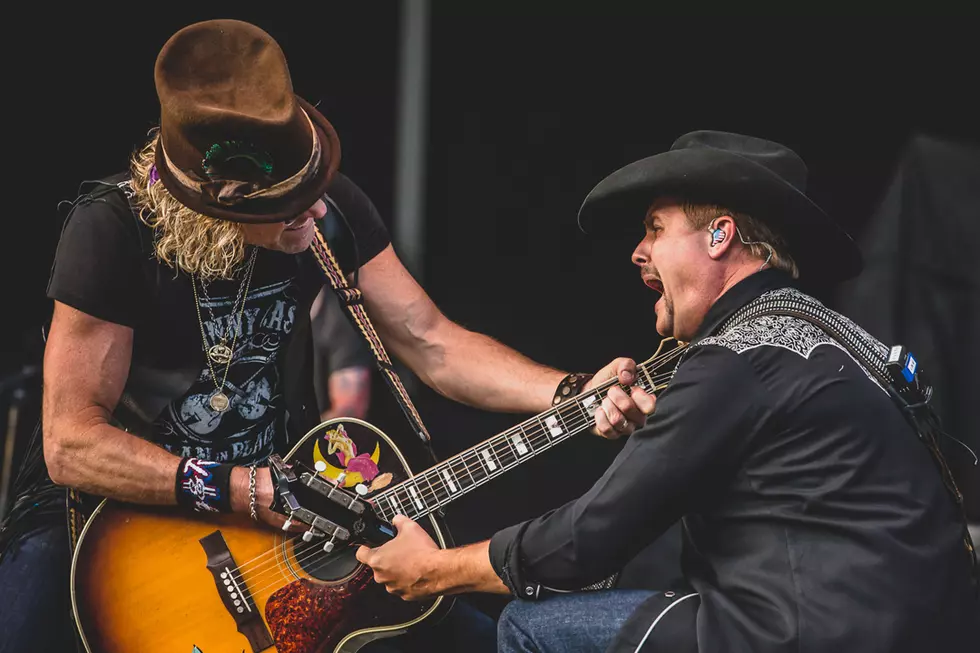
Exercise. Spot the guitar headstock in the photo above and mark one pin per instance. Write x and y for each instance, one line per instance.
(325, 509)
(667, 352)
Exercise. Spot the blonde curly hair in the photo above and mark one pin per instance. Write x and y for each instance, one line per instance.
(183, 238)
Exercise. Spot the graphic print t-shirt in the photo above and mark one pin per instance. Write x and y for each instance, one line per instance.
(189, 426)
(105, 267)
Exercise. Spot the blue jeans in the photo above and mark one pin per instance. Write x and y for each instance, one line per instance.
(34, 581)
(585, 622)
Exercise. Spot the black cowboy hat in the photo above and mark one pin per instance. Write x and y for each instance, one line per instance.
(751, 175)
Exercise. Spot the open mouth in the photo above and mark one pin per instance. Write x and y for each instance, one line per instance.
(655, 284)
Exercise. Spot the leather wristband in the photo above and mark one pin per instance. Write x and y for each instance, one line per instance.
(203, 485)
(570, 386)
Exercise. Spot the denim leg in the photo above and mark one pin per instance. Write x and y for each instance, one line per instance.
(574, 623)
(35, 581)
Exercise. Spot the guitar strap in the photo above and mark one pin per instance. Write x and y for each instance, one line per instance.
(353, 300)
(911, 396)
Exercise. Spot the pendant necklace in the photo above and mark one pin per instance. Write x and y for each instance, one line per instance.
(220, 353)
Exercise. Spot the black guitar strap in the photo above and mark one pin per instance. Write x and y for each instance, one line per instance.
(892, 368)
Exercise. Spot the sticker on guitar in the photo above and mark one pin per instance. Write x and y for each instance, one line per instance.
(357, 469)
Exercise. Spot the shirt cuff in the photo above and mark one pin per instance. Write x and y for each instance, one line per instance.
(505, 558)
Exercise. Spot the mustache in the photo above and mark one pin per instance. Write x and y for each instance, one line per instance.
(650, 270)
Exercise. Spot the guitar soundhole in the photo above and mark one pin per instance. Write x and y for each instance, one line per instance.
(327, 567)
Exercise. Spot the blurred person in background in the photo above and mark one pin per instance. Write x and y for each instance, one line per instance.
(342, 362)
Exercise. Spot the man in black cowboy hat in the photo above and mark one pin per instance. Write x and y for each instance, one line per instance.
(814, 518)
(177, 358)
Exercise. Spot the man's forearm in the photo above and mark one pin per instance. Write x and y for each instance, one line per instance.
(467, 367)
(104, 460)
(477, 370)
(465, 569)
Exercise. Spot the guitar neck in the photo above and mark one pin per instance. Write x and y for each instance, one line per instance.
(452, 478)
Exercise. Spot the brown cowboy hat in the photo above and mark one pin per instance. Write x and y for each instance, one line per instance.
(236, 143)
(763, 178)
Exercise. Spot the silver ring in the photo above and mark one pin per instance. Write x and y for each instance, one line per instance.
(625, 423)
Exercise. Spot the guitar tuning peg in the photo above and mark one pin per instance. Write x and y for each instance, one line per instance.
(310, 534)
(341, 478)
(289, 522)
(328, 546)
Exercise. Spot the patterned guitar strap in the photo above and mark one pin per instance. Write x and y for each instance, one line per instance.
(873, 356)
(353, 300)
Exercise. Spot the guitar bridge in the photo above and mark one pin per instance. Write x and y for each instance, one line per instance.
(234, 594)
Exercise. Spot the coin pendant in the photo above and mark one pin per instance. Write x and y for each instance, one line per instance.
(219, 402)
(220, 353)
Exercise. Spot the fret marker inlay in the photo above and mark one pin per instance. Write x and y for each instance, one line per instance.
(490, 464)
(415, 495)
(552, 422)
(519, 444)
(449, 481)
(590, 406)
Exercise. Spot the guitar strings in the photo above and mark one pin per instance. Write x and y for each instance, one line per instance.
(533, 435)
(256, 571)
(643, 375)
(537, 436)
(531, 426)
(315, 550)
(311, 552)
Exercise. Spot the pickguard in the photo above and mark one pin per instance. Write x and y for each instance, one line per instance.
(305, 616)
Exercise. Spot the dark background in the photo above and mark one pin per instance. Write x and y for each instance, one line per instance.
(528, 110)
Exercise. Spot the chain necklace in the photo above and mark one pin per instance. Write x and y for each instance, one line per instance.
(220, 353)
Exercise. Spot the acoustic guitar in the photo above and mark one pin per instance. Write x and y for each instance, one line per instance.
(157, 580)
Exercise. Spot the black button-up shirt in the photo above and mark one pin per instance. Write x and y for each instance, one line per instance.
(814, 518)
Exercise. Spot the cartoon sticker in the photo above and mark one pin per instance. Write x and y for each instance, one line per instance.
(360, 468)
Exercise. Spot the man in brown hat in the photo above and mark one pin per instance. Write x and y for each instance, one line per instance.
(798, 451)
(177, 357)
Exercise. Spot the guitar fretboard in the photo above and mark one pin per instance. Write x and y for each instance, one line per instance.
(455, 476)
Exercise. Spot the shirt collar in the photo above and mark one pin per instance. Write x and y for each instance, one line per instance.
(739, 295)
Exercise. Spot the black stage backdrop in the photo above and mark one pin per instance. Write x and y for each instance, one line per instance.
(921, 286)
(529, 109)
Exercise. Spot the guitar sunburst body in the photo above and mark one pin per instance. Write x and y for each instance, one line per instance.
(141, 582)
